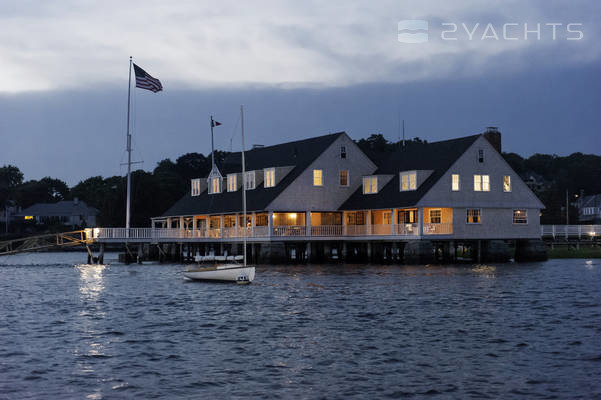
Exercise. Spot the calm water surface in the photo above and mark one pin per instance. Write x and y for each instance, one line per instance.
(504, 331)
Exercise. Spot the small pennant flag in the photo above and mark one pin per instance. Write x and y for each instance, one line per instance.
(145, 81)
(215, 123)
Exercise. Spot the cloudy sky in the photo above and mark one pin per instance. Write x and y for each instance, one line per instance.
(300, 68)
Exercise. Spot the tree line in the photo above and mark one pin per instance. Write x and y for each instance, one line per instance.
(154, 192)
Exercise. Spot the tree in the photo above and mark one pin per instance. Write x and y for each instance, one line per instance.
(10, 178)
(46, 190)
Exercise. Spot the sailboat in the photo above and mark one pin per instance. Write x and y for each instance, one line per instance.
(239, 273)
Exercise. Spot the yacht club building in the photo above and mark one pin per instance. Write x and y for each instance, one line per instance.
(325, 196)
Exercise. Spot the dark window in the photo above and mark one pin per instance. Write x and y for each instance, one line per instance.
(342, 151)
(407, 217)
(481, 155)
(355, 218)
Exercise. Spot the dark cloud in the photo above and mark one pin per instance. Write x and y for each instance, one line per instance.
(76, 134)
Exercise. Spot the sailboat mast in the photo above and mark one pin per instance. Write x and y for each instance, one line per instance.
(243, 181)
(212, 146)
(128, 148)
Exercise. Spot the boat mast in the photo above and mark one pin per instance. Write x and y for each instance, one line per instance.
(243, 181)
(128, 148)
(212, 147)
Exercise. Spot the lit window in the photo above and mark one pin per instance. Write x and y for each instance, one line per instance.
(342, 151)
(481, 183)
(481, 155)
(387, 217)
(232, 182)
(215, 185)
(435, 216)
(317, 177)
(344, 177)
(370, 184)
(250, 180)
(507, 183)
(455, 182)
(473, 216)
(408, 181)
(195, 184)
(520, 217)
(269, 177)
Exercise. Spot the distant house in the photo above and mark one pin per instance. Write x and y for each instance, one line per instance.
(589, 209)
(74, 213)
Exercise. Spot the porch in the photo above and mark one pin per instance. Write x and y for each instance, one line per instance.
(410, 223)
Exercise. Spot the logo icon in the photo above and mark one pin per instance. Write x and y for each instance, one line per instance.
(413, 31)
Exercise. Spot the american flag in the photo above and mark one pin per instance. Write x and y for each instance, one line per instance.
(145, 81)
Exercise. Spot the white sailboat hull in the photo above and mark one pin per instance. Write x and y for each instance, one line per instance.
(227, 272)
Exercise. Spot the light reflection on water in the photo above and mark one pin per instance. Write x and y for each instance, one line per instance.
(468, 331)
(91, 282)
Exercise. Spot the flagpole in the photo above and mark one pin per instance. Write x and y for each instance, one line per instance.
(243, 180)
(127, 212)
(212, 148)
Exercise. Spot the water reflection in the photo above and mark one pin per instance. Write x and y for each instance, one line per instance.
(91, 280)
(92, 346)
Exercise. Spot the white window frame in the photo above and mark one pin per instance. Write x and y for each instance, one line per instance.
(453, 189)
(486, 183)
(508, 178)
(232, 182)
(250, 182)
(269, 177)
(411, 177)
(212, 181)
(430, 215)
(481, 155)
(343, 152)
(467, 216)
(370, 184)
(195, 187)
(320, 184)
(348, 178)
(526, 217)
(481, 183)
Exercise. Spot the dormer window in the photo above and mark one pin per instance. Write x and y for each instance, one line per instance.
(342, 151)
(269, 179)
(215, 184)
(195, 187)
(250, 180)
(370, 184)
(232, 182)
(408, 181)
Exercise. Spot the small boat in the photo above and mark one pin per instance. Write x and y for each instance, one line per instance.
(230, 270)
(225, 272)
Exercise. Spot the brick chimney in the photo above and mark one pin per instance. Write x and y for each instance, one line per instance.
(493, 135)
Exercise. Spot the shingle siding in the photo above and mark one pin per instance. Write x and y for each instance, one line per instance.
(301, 195)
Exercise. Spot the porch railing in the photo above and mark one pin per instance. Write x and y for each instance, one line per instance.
(438, 229)
(571, 231)
(264, 231)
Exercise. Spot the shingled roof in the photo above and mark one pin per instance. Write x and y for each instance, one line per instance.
(63, 208)
(436, 156)
(299, 154)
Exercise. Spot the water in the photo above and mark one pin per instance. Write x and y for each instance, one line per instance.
(505, 331)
